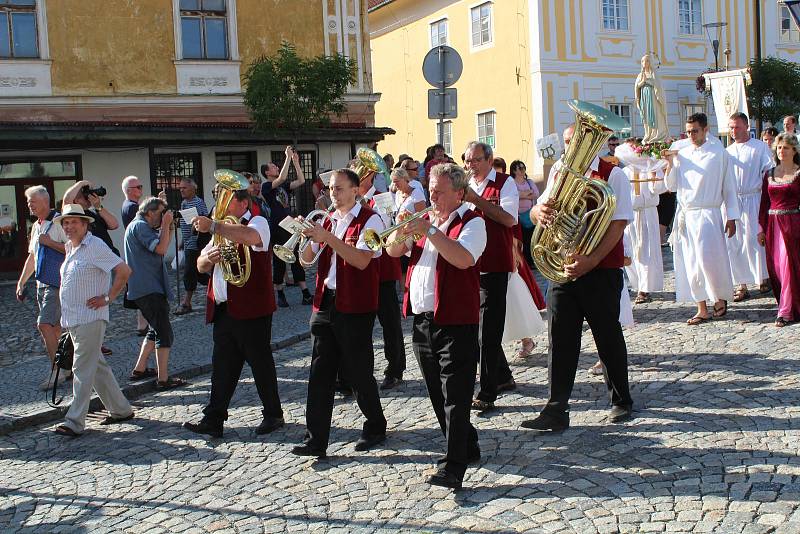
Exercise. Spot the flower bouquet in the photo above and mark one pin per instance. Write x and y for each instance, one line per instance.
(643, 158)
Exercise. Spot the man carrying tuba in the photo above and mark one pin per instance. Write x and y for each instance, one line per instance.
(241, 313)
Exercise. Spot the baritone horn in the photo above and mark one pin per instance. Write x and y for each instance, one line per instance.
(235, 266)
(378, 240)
(285, 252)
(368, 162)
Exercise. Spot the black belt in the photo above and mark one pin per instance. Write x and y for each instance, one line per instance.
(329, 292)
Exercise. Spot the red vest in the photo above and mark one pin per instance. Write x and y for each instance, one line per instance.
(254, 299)
(458, 301)
(498, 256)
(616, 258)
(356, 290)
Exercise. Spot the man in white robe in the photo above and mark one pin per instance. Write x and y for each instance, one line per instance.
(646, 271)
(751, 158)
(702, 175)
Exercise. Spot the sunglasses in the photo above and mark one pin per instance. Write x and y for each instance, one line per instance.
(413, 168)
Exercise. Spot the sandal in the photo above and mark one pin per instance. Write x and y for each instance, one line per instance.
(169, 383)
(111, 420)
(780, 322)
(642, 298)
(596, 369)
(183, 310)
(697, 319)
(740, 294)
(64, 430)
(482, 405)
(526, 350)
(721, 312)
(140, 375)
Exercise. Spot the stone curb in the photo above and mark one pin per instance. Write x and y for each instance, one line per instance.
(131, 390)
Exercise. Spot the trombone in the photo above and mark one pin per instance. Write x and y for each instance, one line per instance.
(375, 241)
(285, 252)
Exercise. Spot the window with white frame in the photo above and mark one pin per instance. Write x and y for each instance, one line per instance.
(439, 33)
(691, 109)
(615, 15)
(690, 17)
(486, 122)
(447, 138)
(204, 32)
(481, 17)
(621, 110)
(789, 31)
(18, 32)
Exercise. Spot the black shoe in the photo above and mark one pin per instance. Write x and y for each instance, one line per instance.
(619, 414)
(365, 443)
(547, 422)
(281, 299)
(204, 427)
(308, 450)
(445, 479)
(269, 424)
(391, 382)
(507, 386)
(307, 300)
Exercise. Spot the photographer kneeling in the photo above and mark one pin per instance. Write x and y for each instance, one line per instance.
(85, 278)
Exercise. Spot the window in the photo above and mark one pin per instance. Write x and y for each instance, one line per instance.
(237, 161)
(690, 16)
(486, 128)
(169, 169)
(447, 140)
(204, 31)
(789, 31)
(439, 33)
(624, 111)
(691, 109)
(615, 15)
(302, 201)
(18, 37)
(482, 24)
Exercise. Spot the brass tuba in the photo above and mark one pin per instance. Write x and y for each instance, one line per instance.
(367, 162)
(584, 206)
(235, 268)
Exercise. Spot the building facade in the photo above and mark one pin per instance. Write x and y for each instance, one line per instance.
(524, 59)
(102, 89)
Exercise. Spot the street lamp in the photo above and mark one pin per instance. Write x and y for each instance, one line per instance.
(715, 28)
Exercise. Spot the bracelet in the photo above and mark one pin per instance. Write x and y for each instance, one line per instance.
(213, 228)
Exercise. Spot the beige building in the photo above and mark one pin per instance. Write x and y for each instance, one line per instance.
(524, 59)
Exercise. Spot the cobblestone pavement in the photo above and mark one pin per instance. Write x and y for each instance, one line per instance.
(713, 448)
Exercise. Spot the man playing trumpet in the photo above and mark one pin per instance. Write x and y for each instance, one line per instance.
(445, 334)
(242, 318)
(344, 308)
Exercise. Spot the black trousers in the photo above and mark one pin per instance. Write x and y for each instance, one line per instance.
(527, 234)
(279, 266)
(341, 340)
(389, 316)
(448, 358)
(236, 342)
(494, 366)
(190, 274)
(594, 297)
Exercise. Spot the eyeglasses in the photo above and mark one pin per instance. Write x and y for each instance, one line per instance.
(134, 187)
(474, 160)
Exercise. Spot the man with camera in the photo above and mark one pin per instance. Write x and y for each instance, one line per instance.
(90, 198)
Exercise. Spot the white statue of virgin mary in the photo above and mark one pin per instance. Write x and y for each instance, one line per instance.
(652, 104)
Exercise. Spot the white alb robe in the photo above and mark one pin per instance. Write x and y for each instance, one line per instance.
(703, 178)
(749, 259)
(646, 271)
(625, 306)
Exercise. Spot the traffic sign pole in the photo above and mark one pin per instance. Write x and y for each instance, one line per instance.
(442, 52)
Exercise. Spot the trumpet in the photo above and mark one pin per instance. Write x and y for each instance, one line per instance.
(378, 240)
(285, 252)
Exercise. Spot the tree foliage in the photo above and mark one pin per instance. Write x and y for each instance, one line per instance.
(289, 92)
(775, 91)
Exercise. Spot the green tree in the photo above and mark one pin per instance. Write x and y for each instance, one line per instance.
(286, 91)
(775, 91)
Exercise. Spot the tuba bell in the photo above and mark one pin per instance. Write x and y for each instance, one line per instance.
(235, 268)
(367, 163)
(584, 206)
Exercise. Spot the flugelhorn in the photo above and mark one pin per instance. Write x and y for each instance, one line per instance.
(378, 240)
(285, 252)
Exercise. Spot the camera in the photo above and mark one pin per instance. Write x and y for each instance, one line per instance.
(99, 191)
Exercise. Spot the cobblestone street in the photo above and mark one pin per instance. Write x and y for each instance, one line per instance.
(713, 448)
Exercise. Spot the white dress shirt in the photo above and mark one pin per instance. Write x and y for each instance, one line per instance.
(219, 284)
(509, 195)
(85, 274)
(341, 223)
(423, 278)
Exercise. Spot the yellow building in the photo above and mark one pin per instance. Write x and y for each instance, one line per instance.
(524, 59)
(102, 89)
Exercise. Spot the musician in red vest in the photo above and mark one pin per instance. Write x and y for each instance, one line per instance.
(591, 294)
(242, 318)
(443, 293)
(494, 196)
(344, 308)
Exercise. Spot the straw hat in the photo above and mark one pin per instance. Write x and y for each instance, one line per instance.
(72, 210)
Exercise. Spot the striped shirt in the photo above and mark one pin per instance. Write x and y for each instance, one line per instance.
(85, 273)
(189, 240)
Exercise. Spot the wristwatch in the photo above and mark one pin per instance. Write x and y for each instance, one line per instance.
(105, 297)
(431, 231)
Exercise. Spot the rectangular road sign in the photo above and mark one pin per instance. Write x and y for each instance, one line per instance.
(435, 109)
